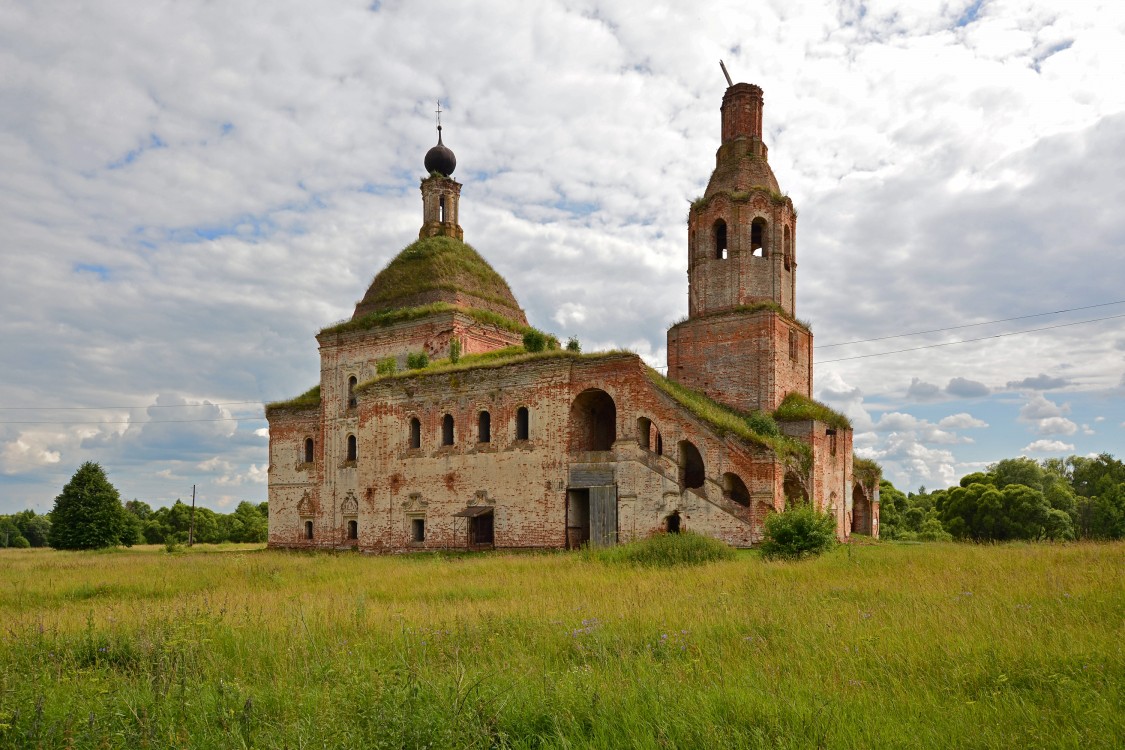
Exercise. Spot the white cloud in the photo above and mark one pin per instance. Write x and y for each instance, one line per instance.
(962, 421)
(1048, 446)
(1040, 407)
(1056, 426)
(23, 454)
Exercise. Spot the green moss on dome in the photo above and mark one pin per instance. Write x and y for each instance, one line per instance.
(437, 264)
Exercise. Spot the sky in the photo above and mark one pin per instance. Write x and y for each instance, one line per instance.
(191, 190)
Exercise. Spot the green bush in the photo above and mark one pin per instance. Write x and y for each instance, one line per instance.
(387, 366)
(454, 350)
(798, 532)
(665, 551)
(573, 344)
(417, 360)
(932, 531)
(535, 341)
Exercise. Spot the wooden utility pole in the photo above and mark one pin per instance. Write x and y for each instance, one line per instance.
(191, 526)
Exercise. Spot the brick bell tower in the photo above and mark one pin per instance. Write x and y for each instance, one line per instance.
(741, 343)
(440, 193)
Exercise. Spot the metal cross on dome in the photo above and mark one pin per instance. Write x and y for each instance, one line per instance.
(439, 114)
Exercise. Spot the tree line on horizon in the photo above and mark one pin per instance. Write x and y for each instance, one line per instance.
(1057, 499)
(89, 514)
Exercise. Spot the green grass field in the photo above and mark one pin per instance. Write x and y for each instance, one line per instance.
(874, 646)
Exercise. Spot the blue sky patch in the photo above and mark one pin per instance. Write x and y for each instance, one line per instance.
(154, 142)
(970, 13)
(98, 270)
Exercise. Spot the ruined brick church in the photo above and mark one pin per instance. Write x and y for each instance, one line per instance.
(440, 422)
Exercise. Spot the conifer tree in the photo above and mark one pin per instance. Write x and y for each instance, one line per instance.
(88, 513)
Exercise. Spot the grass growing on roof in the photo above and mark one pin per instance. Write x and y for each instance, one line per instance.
(757, 427)
(437, 263)
(489, 360)
(390, 317)
(307, 400)
(752, 308)
(797, 407)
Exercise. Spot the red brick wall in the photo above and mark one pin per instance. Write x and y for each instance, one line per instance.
(741, 359)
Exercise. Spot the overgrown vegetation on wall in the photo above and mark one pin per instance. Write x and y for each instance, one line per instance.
(757, 427)
(797, 407)
(307, 400)
(406, 314)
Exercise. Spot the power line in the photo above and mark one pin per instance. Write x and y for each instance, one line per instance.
(967, 325)
(968, 341)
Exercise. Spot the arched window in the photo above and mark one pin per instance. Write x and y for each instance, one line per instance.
(659, 444)
(351, 391)
(644, 433)
(447, 430)
(308, 530)
(787, 243)
(415, 433)
(719, 233)
(734, 489)
(691, 466)
(758, 237)
(593, 421)
(522, 427)
(309, 450)
(672, 523)
(352, 448)
(353, 530)
(441, 208)
(484, 428)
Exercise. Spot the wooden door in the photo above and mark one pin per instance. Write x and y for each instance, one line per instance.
(603, 516)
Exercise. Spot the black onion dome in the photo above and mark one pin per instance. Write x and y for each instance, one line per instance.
(440, 159)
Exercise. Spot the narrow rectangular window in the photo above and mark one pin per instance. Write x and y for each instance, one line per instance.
(522, 423)
(792, 344)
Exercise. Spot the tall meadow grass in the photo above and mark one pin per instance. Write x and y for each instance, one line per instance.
(938, 645)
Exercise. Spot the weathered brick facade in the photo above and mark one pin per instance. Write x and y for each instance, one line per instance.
(559, 449)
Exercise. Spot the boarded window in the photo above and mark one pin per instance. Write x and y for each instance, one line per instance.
(758, 237)
(447, 430)
(415, 433)
(691, 466)
(353, 530)
(352, 448)
(418, 530)
(593, 421)
(793, 344)
(309, 450)
(308, 530)
(523, 427)
(719, 233)
(484, 428)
